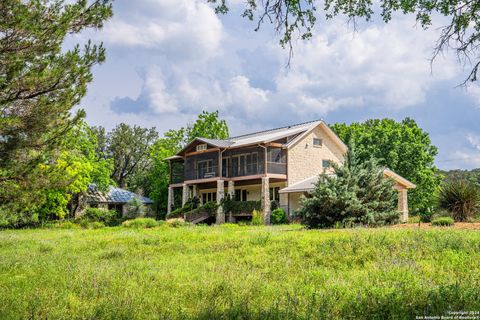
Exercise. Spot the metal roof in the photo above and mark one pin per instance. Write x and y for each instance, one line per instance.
(257, 137)
(301, 186)
(309, 183)
(113, 195)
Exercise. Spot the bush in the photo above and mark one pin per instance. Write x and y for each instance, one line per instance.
(175, 223)
(107, 217)
(358, 194)
(461, 198)
(209, 207)
(257, 218)
(140, 223)
(66, 225)
(278, 216)
(178, 212)
(135, 208)
(96, 225)
(442, 222)
(233, 206)
(274, 205)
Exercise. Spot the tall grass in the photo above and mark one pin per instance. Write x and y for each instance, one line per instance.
(237, 273)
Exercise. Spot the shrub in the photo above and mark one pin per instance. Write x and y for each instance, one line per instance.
(96, 225)
(209, 207)
(178, 212)
(66, 225)
(442, 222)
(257, 218)
(135, 208)
(461, 198)
(140, 223)
(274, 205)
(175, 223)
(278, 216)
(107, 217)
(426, 215)
(233, 206)
(358, 194)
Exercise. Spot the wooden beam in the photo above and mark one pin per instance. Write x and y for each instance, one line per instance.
(274, 144)
(203, 151)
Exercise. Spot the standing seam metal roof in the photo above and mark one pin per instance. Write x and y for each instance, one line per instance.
(113, 195)
(258, 137)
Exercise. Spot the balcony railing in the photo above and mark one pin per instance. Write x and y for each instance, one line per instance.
(206, 172)
(277, 167)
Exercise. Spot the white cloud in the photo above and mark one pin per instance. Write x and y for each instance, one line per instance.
(474, 140)
(158, 94)
(385, 66)
(180, 29)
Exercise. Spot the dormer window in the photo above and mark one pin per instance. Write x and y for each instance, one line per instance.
(201, 147)
(317, 142)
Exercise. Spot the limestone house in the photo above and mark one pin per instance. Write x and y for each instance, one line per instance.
(278, 165)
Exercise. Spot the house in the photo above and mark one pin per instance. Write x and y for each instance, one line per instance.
(114, 199)
(279, 165)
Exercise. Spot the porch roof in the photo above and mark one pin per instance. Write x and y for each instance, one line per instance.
(308, 184)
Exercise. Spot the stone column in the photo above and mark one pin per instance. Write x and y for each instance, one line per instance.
(220, 218)
(195, 191)
(231, 189)
(170, 200)
(266, 200)
(184, 194)
(403, 204)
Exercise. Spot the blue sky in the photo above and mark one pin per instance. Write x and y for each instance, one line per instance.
(169, 60)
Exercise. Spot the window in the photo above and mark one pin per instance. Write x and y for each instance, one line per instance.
(225, 167)
(240, 195)
(205, 169)
(317, 142)
(209, 196)
(201, 147)
(244, 164)
(274, 195)
(326, 164)
(275, 155)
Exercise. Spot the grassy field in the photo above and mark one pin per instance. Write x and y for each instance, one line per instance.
(238, 272)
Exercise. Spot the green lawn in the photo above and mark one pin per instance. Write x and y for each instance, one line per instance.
(237, 272)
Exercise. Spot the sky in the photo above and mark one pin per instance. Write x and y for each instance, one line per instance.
(167, 60)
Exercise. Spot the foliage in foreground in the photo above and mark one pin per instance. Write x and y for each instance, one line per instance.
(358, 193)
(460, 198)
(201, 273)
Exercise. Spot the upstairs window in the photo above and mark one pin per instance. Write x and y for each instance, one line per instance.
(326, 164)
(201, 147)
(317, 142)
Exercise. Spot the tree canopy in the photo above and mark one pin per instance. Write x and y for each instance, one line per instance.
(400, 146)
(129, 147)
(40, 83)
(292, 17)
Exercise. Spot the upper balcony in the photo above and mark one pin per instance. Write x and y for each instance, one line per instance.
(243, 162)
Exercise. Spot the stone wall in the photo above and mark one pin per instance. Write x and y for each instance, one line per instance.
(305, 159)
